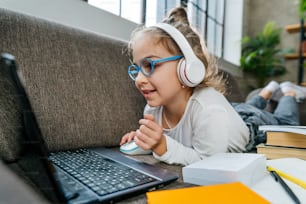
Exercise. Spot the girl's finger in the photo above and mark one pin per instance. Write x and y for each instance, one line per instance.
(149, 117)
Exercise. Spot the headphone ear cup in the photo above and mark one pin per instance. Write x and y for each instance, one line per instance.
(190, 69)
(190, 74)
(181, 66)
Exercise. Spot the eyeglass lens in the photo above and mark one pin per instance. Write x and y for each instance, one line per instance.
(133, 71)
(146, 66)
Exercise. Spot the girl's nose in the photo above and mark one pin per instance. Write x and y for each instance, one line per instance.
(141, 78)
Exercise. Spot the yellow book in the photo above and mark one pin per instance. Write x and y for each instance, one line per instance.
(229, 193)
(286, 139)
(276, 152)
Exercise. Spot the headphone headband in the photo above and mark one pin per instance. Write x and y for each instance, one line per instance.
(194, 70)
(179, 38)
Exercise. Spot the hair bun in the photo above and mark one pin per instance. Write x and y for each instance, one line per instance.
(177, 14)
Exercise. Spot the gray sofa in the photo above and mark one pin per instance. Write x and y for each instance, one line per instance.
(80, 92)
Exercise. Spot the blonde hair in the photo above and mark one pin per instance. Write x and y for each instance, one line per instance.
(178, 18)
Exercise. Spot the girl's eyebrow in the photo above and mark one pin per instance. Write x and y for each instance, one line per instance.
(150, 56)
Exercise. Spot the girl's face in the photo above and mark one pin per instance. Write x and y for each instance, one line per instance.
(163, 86)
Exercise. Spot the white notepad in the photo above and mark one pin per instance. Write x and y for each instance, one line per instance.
(247, 168)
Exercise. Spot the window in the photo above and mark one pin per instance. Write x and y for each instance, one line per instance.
(219, 23)
(208, 18)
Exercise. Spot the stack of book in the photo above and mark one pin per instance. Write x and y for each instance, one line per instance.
(283, 141)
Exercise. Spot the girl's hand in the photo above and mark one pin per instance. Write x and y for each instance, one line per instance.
(128, 137)
(150, 135)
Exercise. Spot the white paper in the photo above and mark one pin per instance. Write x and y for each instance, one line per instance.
(225, 168)
(273, 191)
(284, 128)
(291, 166)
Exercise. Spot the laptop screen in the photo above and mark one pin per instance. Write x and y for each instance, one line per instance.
(35, 163)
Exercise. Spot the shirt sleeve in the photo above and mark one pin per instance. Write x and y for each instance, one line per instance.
(177, 153)
(210, 135)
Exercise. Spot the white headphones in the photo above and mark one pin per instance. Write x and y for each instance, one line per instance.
(190, 70)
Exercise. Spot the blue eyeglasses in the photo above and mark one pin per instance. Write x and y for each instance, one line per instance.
(147, 66)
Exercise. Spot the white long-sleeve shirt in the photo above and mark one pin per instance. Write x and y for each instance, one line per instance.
(209, 125)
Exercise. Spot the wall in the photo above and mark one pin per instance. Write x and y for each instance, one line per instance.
(282, 12)
(75, 13)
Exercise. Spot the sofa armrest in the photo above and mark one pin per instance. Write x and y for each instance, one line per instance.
(233, 93)
(13, 189)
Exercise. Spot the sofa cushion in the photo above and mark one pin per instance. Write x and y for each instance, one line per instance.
(77, 82)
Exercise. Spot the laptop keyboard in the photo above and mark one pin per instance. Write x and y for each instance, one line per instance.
(100, 174)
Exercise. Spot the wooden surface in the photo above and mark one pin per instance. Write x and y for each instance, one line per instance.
(294, 28)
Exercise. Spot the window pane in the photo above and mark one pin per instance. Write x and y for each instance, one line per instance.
(200, 22)
(131, 10)
(196, 14)
(219, 31)
(212, 6)
(151, 12)
(112, 6)
(220, 11)
(164, 6)
(211, 36)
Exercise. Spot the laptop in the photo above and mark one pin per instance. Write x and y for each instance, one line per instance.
(89, 175)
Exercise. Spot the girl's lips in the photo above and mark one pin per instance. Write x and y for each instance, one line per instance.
(147, 93)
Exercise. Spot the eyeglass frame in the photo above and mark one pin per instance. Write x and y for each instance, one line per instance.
(152, 63)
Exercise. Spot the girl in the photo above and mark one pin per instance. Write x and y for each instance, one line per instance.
(182, 124)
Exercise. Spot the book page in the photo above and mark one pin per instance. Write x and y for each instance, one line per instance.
(284, 128)
(273, 191)
(292, 166)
